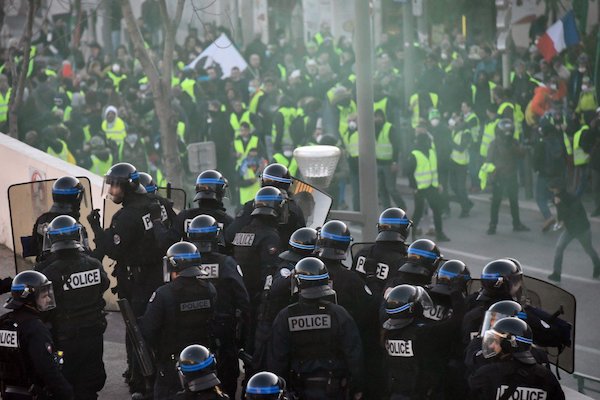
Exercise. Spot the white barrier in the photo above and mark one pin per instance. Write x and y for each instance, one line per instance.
(20, 163)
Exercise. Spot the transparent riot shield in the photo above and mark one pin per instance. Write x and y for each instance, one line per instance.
(558, 307)
(314, 203)
(26, 202)
(358, 247)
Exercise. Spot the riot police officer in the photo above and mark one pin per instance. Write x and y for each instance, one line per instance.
(501, 279)
(374, 263)
(211, 187)
(78, 322)
(278, 176)
(423, 259)
(515, 372)
(161, 208)
(265, 386)
(277, 292)
(315, 342)
(196, 367)
(415, 360)
(67, 193)
(179, 313)
(29, 364)
(130, 242)
(257, 245)
(232, 311)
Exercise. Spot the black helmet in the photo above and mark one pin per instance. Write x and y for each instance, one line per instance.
(302, 244)
(269, 200)
(502, 279)
(126, 177)
(203, 231)
(451, 275)
(334, 240)
(499, 310)
(184, 258)
(312, 278)
(63, 233)
(33, 289)
(197, 368)
(265, 386)
(393, 225)
(210, 185)
(510, 336)
(67, 193)
(276, 175)
(423, 258)
(147, 182)
(403, 303)
(505, 127)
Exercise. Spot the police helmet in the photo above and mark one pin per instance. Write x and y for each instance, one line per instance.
(64, 233)
(502, 279)
(509, 336)
(403, 303)
(270, 201)
(393, 225)
(126, 177)
(505, 127)
(265, 386)
(68, 192)
(334, 240)
(32, 289)
(197, 368)
(451, 275)
(204, 231)
(210, 185)
(499, 310)
(183, 258)
(312, 278)
(147, 182)
(276, 175)
(302, 244)
(423, 258)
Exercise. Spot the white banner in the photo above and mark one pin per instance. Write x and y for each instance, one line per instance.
(223, 53)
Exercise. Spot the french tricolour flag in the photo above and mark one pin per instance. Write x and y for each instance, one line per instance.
(558, 37)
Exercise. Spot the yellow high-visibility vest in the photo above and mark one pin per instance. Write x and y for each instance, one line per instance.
(291, 165)
(426, 174)
(247, 193)
(383, 146)
(345, 112)
(489, 133)
(238, 145)
(414, 105)
(475, 130)
(568, 145)
(188, 85)
(459, 157)
(116, 79)
(117, 132)
(4, 100)
(100, 167)
(235, 121)
(64, 154)
(381, 105)
(580, 157)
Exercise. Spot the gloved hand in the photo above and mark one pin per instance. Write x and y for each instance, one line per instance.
(94, 219)
(155, 212)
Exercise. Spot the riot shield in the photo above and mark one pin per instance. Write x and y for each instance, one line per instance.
(557, 303)
(177, 196)
(358, 247)
(26, 202)
(314, 203)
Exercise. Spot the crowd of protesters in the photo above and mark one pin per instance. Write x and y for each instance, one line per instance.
(95, 108)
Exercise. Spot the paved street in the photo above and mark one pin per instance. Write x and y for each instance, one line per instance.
(471, 244)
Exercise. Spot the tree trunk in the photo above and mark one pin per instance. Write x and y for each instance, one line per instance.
(17, 98)
(160, 82)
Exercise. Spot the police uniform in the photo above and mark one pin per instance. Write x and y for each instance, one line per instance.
(28, 357)
(40, 225)
(316, 345)
(532, 382)
(222, 271)
(376, 264)
(78, 322)
(167, 237)
(179, 313)
(210, 394)
(295, 221)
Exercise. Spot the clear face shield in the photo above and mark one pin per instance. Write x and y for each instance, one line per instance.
(491, 344)
(424, 300)
(47, 240)
(113, 190)
(166, 270)
(44, 298)
(490, 319)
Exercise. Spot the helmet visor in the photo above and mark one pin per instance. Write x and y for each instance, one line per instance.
(113, 190)
(424, 299)
(490, 319)
(166, 270)
(44, 297)
(490, 346)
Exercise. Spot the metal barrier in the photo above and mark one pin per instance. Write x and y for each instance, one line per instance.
(581, 378)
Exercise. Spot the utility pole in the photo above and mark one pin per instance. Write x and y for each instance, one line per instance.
(367, 167)
(409, 50)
